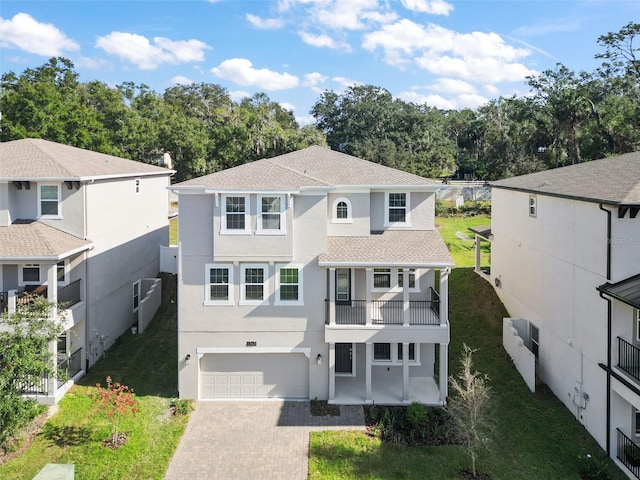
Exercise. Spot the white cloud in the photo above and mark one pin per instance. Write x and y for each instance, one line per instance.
(348, 15)
(26, 33)
(241, 71)
(238, 95)
(305, 120)
(181, 80)
(438, 101)
(92, 63)
(491, 89)
(323, 40)
(265, 23)
(138, 50)
(287, 106)
(433, 7)
(345, 82)
(314, 79)
(451, 85)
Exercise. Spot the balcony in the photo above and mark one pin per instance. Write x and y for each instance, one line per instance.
(67, 368)
(68, 295)
(385, 312)
(629, 358)
(628, 453)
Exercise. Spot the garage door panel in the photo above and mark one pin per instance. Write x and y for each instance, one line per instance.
(254, 376)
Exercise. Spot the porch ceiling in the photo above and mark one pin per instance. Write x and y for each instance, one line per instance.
(627, 291)
(30, 240)
(409, 248)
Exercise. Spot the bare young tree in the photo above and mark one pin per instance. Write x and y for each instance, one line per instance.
(469, 406)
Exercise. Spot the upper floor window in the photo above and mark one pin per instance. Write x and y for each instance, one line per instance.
(533, 206)
(29, 274)
(235, 211)
(218, 284)
(254, 284)
(61, 268)
(137, 186)
(289, 285)
(397, 209)
(271, 214)
(342, 211)
(49, 201)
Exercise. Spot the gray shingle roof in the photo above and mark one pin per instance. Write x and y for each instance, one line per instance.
(613, 180)
(34, 158)
(389, 248)
(627, 291)
(310, 167)
(34, 240)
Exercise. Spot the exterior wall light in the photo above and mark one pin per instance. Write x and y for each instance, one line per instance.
(187, 359)
(319, 360)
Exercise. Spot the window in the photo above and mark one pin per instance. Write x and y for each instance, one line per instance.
(412, 278)
(637, 315)
(137, 186)
(136, 295)
(30, 274)
(533, 209)
(235, 214)
(534, 335)
(382, 278)
(342, 211)
(382, 352)
(412, 352)
(49, 201)
(254, 284)
(397, 209)
(270, 218)
(218, 284)
(62, 272)
(62, 344)
(289, 285)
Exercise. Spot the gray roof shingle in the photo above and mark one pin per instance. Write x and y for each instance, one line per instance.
(313, 166)
(28, 239)
(613, 180)
(34, 158)
(417, 248)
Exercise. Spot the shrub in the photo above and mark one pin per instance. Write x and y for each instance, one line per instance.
(594, 467)
(182, 406)
(116, 401)
(417, 415)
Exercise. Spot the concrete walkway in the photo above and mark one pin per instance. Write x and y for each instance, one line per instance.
(252, 440)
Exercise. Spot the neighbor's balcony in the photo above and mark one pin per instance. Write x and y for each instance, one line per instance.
(628, 453)
(385, 312)
(67, 368)
(68, 295)
(629, 358)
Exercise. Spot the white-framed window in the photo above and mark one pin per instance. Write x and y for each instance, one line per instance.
(534, 336)
(137, 186)
(289, 289)
(533, 206)
(49, 200)
(136, 295)
(391, 280)
(271, 218)
(637, 317)
(255, 284)
(218, 284)
(235, 214)
(29, 274)
(391, 353)
(62, 272)
(396, 212)
(342, 211)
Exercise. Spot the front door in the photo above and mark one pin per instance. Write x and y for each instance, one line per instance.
(344, 358)
(343, 286)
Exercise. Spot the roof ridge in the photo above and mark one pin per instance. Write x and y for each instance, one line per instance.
(49, 156)
(297, 172)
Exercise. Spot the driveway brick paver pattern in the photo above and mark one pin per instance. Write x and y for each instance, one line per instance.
(253, 440)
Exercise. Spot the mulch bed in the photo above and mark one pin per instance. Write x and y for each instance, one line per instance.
(320, 408)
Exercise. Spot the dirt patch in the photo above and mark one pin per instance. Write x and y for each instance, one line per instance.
(16, 445)
(466, 474)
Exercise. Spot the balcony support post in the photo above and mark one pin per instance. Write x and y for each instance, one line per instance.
(332, 296)
(369, 288)
(444, 296)
(406, 312)
(332, 372)
(405, 372)
(367, 370)
(52, 298)
(443, 374)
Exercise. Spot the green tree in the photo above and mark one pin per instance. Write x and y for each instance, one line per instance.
(622, 50)
(25, 357)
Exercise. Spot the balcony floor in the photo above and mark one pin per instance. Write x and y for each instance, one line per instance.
(386, 390)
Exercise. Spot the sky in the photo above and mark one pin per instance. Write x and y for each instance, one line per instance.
(444, 53)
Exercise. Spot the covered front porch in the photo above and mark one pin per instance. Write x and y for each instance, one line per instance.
(386, 391)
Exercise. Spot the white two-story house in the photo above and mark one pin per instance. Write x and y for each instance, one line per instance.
(313, 274)
(83, 229)
(565, 257)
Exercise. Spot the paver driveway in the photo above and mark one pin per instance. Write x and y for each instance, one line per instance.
(252, 440)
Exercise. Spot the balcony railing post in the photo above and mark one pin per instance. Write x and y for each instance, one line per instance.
(406, 319)
(369, 288)
(332, 296)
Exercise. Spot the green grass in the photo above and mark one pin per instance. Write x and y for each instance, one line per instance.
(463, 256)
(147, 363)
(534, 436)
(173, 231)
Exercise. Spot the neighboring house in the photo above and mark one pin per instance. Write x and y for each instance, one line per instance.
(313, 274)
(565, 257)
(84, 229)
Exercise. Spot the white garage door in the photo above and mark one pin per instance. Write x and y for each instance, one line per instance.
(241, 375)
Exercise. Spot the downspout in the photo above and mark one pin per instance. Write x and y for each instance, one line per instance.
(608, 436)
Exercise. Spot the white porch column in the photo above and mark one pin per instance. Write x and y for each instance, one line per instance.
(52, 298)
(444, 296)
(406, 319)
(332, 296)
(12, 301)
(478, 250)
(444, 372)
(405, 372)
(367, 370)
(332, 372)
(369, 288)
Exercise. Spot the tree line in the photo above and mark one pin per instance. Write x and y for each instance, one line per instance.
(567, 118)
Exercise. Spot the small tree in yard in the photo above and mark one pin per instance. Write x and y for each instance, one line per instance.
(116, 401)
(469, 407)
(25, 358)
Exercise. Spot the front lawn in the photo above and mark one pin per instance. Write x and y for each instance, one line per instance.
(146, 363)
(535, 436)
(463, 251)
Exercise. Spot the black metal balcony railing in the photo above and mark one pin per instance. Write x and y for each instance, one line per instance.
(385, 312)
(629, 358)
(628, 453)
(68, 296)
(67, 368)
